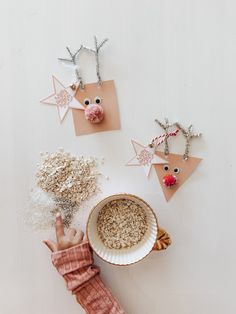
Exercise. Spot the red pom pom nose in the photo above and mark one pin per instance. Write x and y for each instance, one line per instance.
(169, 180)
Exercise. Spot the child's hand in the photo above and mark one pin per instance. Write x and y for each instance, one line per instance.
(64, 241)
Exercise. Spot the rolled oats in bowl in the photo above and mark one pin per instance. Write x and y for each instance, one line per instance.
(121, 223)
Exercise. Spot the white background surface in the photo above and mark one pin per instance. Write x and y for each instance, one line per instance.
(168, 58)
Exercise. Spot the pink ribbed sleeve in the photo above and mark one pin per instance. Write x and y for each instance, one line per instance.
(82, 279)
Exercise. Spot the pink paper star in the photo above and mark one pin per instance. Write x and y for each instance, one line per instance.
(145, 157)
(63, 98)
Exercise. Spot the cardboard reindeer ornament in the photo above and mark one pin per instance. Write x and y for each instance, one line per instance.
(94, 106)
(178, 167)
(172, 169)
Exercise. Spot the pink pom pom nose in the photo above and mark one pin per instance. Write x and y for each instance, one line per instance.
(169, 180)
(94, 113)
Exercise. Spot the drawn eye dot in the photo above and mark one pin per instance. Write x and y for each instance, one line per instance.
(97, 100)
(86, 101)
(166, 168)
(176, 170)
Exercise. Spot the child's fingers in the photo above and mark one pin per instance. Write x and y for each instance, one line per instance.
(59, 227)
(71, 232)
(51, 245)
(79, 236)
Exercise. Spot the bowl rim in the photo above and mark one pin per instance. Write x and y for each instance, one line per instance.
(121, 195)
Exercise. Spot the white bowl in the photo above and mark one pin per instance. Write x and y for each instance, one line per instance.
(125, 256)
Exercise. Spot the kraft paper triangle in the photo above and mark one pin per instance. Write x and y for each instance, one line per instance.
(186, 168)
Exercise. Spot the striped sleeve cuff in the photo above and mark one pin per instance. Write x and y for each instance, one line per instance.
(72, 259)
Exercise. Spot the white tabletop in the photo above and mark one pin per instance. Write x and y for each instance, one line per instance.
(172, 59)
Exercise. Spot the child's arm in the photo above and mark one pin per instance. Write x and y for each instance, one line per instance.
(73, 259)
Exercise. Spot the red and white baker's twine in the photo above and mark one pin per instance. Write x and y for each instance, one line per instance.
(158, 140)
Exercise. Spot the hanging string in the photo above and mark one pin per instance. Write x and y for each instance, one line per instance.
(158, 140)
(165, 126)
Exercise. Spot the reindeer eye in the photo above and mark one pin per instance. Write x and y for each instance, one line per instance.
(176, 170)
(86, 101)
(97, 100)
(166, 168)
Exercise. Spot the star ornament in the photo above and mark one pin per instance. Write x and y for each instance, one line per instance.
(145, 157)
(63, 97)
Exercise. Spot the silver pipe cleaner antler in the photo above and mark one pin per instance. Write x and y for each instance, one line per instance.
(96, 53)
(165, 126)
(75, 57)
(97, 48)
(189, 135)
(73, 60)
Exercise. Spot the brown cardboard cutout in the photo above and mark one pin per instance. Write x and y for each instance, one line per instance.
(186, 168)
(107, 93)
